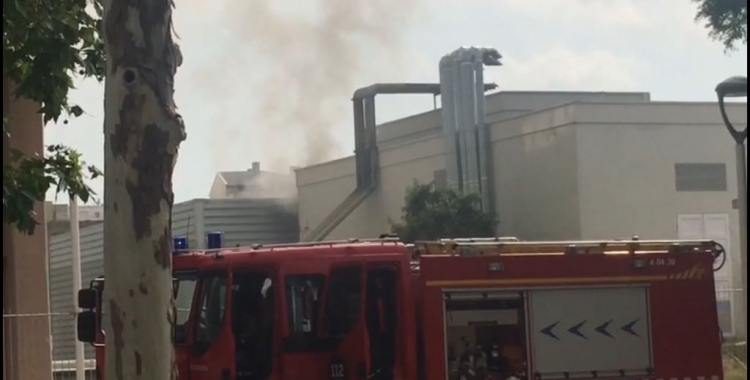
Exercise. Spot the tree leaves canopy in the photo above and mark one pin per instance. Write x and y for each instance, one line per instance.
(726, 20)
(430, 214)
(45, 44)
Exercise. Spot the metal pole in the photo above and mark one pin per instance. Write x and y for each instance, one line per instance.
(739, 137)
(75, 242)
(739, 150)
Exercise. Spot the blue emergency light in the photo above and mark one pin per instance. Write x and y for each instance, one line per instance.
(179, 243)
(213, 240)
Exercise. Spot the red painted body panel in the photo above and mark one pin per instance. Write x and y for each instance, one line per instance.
(686, 338)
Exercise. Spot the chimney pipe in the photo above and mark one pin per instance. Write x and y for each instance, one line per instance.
(365, 137)
(256, 166)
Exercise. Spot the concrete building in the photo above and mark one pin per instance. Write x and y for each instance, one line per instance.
(242, 222)
(58, 217)
(26, 324)
(563, 166)
(253, 183)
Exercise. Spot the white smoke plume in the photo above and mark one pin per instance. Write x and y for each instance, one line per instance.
(310, 63)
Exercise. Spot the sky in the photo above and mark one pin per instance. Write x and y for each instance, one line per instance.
(271, 80)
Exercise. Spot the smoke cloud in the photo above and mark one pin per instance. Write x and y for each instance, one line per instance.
(306, 65)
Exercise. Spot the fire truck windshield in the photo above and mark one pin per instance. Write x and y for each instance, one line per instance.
(185, 284)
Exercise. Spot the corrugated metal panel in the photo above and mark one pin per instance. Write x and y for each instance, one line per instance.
(243, 222)
(257, 221)
(184, 222)
(61, 284)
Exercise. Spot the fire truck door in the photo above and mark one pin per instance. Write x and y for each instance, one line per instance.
(344, 321)
(381, 317)
(304, 354)
(211, 353)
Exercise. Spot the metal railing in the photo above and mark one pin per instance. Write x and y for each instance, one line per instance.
(41, 346)
(734, 349)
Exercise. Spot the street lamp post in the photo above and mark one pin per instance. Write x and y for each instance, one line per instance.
(737, 87)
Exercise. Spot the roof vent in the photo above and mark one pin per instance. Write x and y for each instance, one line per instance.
(256, 166)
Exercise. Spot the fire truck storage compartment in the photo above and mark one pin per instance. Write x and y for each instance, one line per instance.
(590, 332)
(483, 327)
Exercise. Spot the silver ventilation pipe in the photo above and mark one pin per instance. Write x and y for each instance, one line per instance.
(468, 150)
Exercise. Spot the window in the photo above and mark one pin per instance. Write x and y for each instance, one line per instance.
(440, 179)
(492, 321)
(184, 290)
(344, 301)
(700, 177)
(212, 309)
(303, 300)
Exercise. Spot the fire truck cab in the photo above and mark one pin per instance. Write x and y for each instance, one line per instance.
(338, 310)
(455, 309)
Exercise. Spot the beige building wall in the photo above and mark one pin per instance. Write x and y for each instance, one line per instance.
(536, 190)
(626, 165)
(26, 325)
(413, 149)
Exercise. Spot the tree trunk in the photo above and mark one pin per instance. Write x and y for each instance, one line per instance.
(142, 134)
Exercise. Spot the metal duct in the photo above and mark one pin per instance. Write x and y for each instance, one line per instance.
(366, 155)
(468, 151)
(365, 149)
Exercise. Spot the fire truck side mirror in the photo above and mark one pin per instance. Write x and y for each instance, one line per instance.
(87, 299)
(86, 326)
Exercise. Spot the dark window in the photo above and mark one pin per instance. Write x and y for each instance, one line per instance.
(212, 309)
(303, 300)
(344, 301)
(184, 292)
(700, 177)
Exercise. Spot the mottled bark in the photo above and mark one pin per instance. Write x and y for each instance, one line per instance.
(142, 135)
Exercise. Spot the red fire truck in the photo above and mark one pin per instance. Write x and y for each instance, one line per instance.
(449, 309)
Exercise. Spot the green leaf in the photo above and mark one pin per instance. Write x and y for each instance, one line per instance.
(45, 43)
(21, 9)
(76, 111)
(27, 179)
(726, 20)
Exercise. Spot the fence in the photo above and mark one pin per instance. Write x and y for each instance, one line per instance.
(37, 345)
(734, 350)
(31, 352)
(728, 307)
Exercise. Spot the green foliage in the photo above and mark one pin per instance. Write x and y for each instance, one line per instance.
(45, 44)
(430, 214)
(726, 20)
(26, 180)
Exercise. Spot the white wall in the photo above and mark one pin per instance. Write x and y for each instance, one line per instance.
(626, 168)
(535, 175)
(218, 188)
